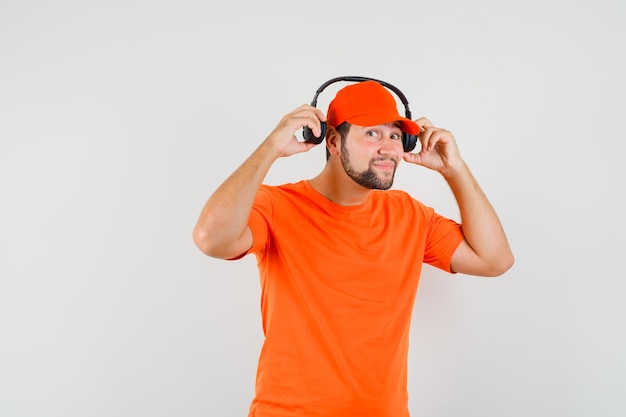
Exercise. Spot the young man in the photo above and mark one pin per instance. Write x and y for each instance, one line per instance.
(340, 255)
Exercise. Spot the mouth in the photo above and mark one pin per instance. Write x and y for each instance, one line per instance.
(385, 165)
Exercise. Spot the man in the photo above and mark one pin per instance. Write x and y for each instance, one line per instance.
(340, 258)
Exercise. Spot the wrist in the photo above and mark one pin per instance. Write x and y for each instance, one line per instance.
(453, 171)
(269, 150)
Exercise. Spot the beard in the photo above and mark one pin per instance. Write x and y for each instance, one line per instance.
(368, 178)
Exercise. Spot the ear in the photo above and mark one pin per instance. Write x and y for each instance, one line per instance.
(332, 141)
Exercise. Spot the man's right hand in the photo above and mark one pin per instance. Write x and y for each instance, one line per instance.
(222, 229)
(283, 138)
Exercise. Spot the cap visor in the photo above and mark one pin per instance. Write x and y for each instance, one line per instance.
(408, 126)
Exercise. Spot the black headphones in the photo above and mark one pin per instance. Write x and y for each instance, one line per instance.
(408, 141)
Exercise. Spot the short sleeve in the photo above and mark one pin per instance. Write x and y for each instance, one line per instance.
(260, 220)
(443, 238)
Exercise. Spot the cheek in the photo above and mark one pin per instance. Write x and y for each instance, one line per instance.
(363, 152)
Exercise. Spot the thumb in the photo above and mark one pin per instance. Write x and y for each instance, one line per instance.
(303, 147)
(413, 158)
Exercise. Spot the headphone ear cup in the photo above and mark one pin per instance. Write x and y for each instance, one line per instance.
(309, 137)
(408, 141)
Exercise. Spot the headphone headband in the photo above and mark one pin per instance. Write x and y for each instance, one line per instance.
(408, 141)
(358, 79)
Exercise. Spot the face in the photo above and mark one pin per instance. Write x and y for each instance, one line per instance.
(370, 155)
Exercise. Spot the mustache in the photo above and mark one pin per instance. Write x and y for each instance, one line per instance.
(384, 159)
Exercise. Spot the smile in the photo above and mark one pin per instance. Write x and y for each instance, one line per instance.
(386, 165)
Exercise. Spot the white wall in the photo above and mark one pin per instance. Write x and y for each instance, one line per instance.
(119, 118)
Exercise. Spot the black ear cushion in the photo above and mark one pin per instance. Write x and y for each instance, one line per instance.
(408, 142)
(309, 137)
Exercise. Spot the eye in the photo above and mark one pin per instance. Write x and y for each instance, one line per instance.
(372, 135)
(396, 136)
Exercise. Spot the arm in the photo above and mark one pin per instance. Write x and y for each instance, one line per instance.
(485, 250)
(222, 228)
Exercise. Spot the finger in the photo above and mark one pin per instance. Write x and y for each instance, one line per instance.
(310, 117)
(306, 146)
(320, 114)
(313, 122)
(413, 158)
(298, 120)
(426, 138)
(423, 122)
(435, 135)
(410, 157)
(299, 146)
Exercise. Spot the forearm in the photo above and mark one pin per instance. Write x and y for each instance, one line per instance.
(222, 226)
(222, 229)
(481, 226)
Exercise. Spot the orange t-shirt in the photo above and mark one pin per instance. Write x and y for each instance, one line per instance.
(337, 290)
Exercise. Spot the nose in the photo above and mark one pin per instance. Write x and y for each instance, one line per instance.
(389, 146)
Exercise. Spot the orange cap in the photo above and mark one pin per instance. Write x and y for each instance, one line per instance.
(367, 103)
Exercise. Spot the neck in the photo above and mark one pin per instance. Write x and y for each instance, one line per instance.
(334, 184)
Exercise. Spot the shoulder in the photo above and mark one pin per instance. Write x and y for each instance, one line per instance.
(283, 190)
(278, 195)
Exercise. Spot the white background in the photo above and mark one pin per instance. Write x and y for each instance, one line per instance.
(119, 118)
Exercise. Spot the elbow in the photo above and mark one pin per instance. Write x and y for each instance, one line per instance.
(203, 241)
(500, 265)
(216, 244)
